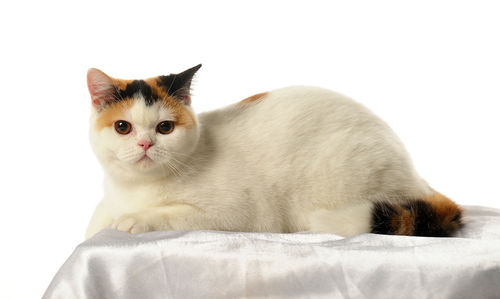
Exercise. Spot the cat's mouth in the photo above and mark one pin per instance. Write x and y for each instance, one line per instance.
(145, 159)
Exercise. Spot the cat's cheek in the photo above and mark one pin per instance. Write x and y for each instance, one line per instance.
(184, 140)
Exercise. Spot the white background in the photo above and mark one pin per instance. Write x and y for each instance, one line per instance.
(431, 69)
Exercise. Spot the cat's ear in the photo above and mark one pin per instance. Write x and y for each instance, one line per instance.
(179, 85)
(102, 88)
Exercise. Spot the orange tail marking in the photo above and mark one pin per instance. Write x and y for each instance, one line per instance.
(449, 214)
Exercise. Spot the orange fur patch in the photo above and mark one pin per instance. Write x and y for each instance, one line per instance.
(121, 83)
(253, 99)
(446, 210)
(404, 223)
(114, 112)
(183, 117)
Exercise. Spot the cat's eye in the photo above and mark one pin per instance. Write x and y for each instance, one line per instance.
(165, 127)
(123, 127)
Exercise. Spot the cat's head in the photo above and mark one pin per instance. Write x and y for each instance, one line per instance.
(142, 128)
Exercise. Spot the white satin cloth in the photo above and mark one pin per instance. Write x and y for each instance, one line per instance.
(211, 264)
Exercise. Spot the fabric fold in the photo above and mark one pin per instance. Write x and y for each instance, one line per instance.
(213, 264)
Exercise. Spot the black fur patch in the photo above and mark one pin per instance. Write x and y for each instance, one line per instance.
(178, 85)
(426, 222)
(382, 214)
(138, 86)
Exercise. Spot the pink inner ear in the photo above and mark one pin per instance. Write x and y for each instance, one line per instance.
(96, 103)
(101, 87)
(187, 100)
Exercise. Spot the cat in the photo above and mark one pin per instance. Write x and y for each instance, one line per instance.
(289, 160)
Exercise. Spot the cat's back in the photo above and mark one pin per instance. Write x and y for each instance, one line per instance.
(292, 114)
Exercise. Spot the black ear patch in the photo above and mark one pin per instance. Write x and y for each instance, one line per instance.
(178, 85)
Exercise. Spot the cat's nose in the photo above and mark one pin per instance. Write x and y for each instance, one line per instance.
(145, 144)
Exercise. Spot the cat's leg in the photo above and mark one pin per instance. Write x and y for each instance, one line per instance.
(100, 219)
(171, 217)
(349, 220)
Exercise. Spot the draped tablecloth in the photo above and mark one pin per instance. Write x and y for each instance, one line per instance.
(213, 264)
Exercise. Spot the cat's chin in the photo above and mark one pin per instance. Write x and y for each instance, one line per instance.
(145, 162)
(144, 169)
(148, 167)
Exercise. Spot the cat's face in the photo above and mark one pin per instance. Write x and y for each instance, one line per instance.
(142, 128)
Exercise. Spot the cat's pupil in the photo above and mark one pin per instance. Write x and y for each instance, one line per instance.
(165, 127)
(123, 127)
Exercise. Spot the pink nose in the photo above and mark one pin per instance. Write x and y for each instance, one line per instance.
(145, 144)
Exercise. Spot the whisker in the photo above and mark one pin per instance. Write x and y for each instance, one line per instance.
(175, 171)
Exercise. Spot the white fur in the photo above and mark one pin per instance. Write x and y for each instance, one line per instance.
(300, 159)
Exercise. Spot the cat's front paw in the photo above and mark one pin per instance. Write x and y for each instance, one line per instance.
(134, 224)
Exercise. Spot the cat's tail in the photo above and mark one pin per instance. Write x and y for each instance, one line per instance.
(434, 216)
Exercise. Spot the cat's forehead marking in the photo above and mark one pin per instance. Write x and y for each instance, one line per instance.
(151, 90)
(135, 88)
(136, 96)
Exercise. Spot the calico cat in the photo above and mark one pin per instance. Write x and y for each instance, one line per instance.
(289, 160)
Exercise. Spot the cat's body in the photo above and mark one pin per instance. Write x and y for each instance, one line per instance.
(294, 159)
